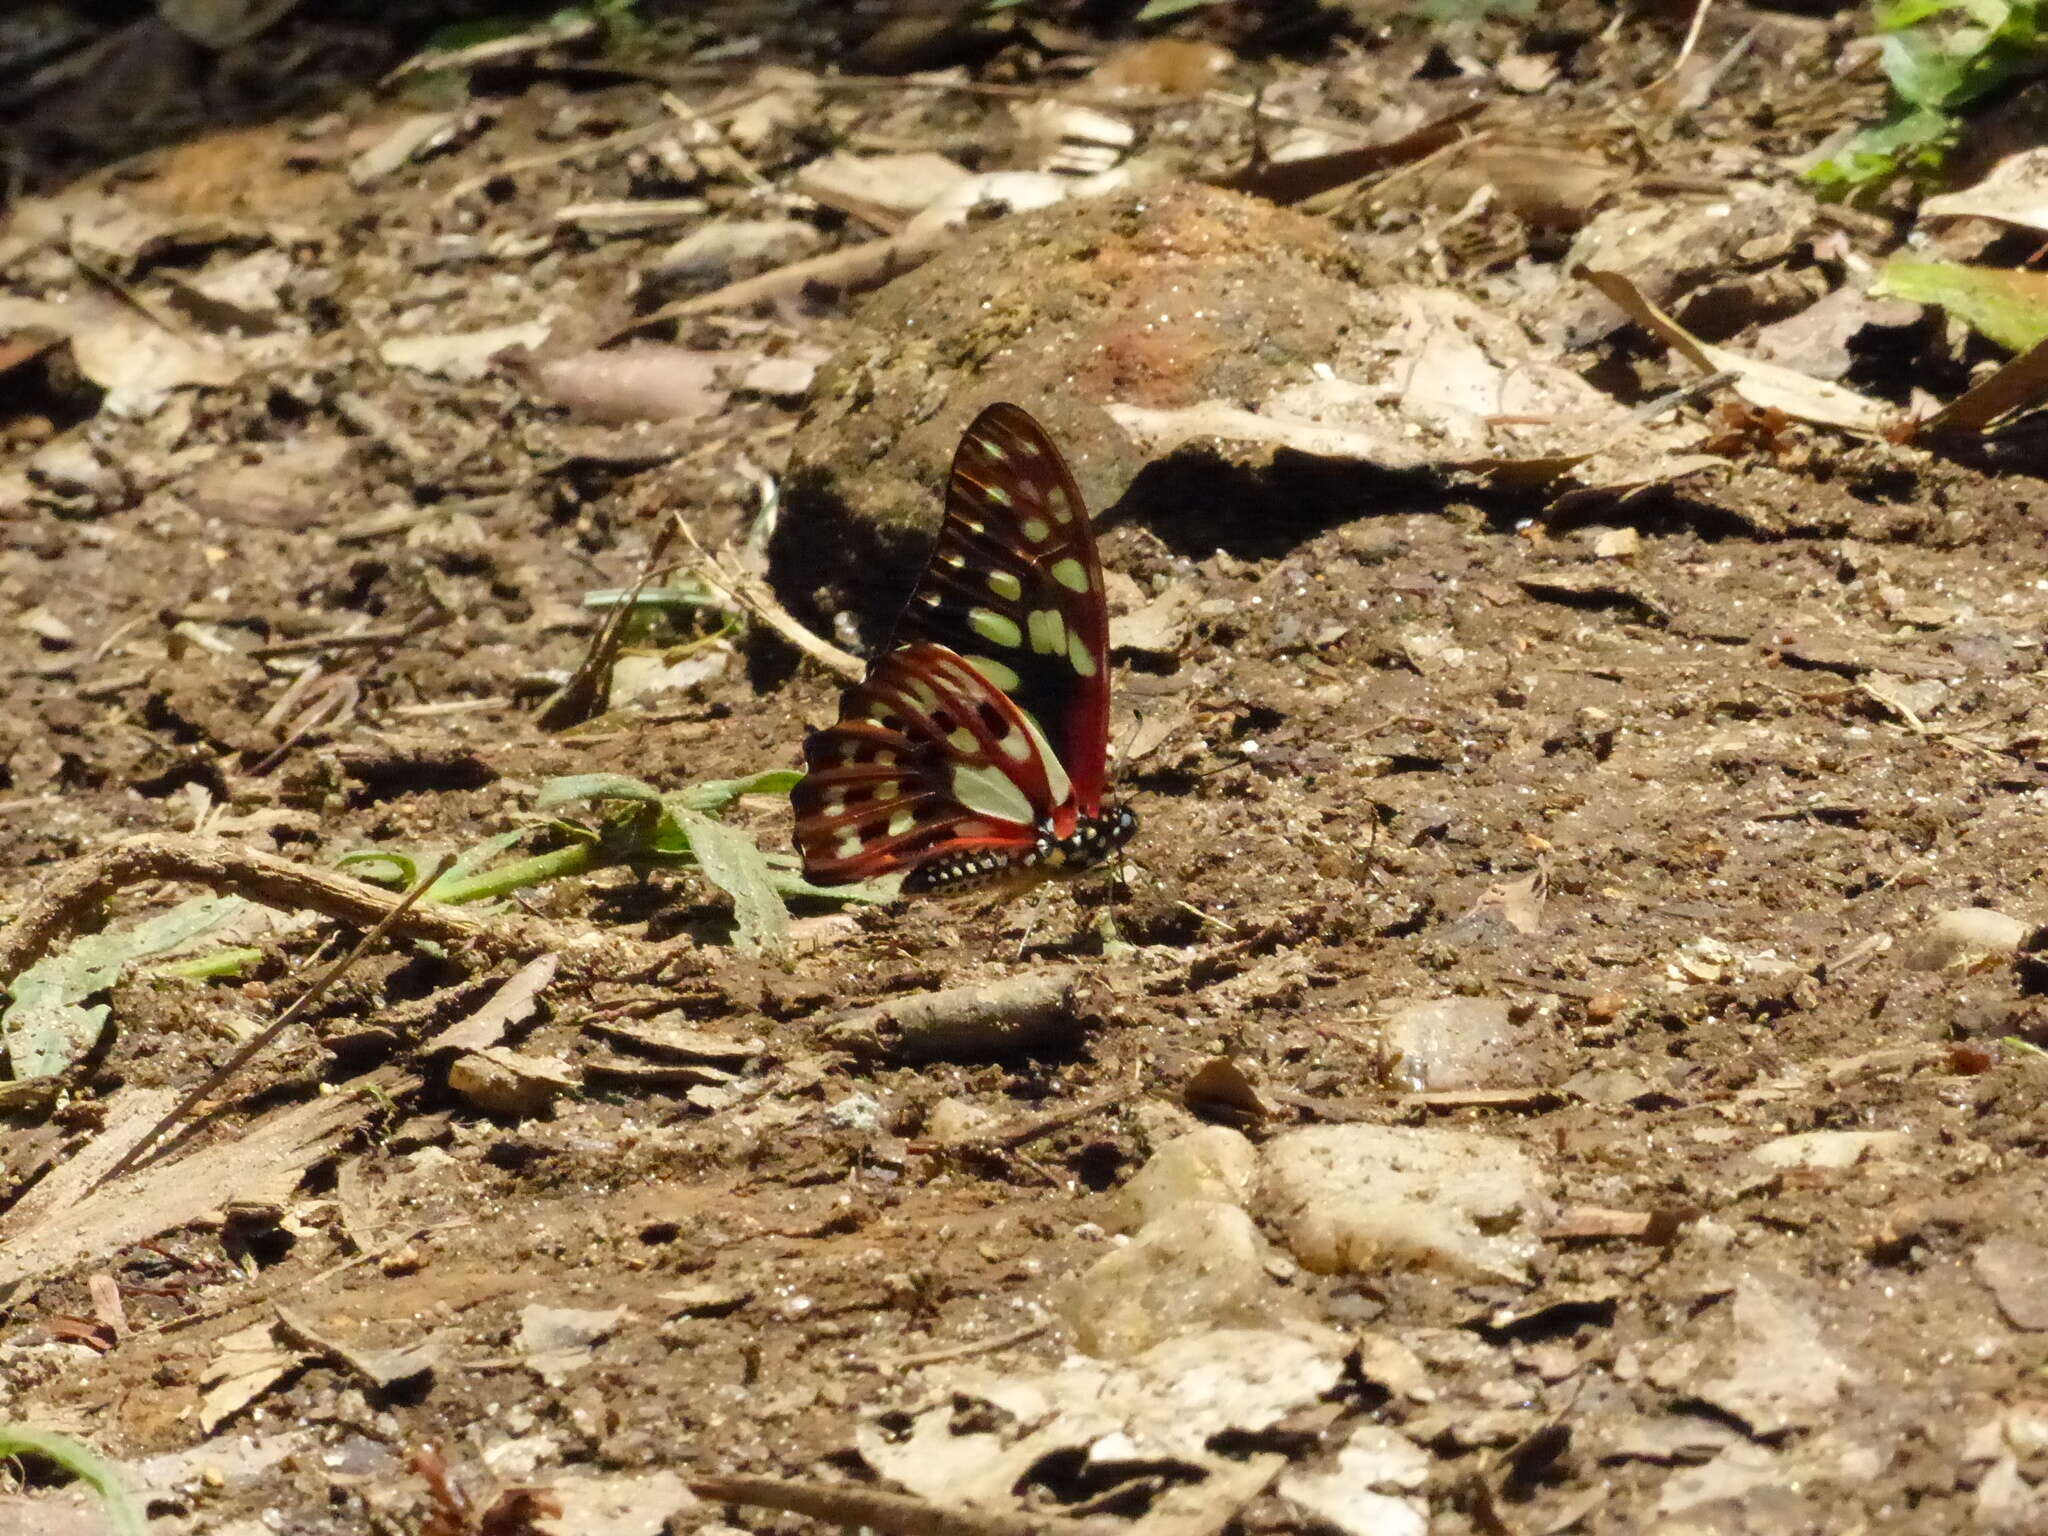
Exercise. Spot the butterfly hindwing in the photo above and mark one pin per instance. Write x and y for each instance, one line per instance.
(1015, 586)
(927, 760)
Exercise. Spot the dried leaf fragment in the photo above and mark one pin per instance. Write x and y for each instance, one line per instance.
(1762, 384)
(647, 382)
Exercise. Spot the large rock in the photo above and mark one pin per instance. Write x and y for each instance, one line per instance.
(1158, 298)
(1213, 1164)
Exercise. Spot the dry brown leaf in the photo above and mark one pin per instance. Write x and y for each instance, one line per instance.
(463, 356)
(134, 359)
(1161, 431)
(1172, 66)
(248, 1365)
(408, 137)
(888, 188)
(66, 1219)
(1066, 137)
(648, 382)
(2019, 383)
(2014, 192)
(1538, 183)
(1762, 384)
(1296, 180)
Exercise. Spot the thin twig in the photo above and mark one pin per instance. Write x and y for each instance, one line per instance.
(305, 645)
(156, 313)
(322, 984)
(1685, 394)
(1058, 1120)
(751, 596)
(689, 114)
(1692, 38)
(270, 1293)
(71, 900)
(893, 1514)
(626, 139)
(588, 691)
(965, 1351)
(852, 269)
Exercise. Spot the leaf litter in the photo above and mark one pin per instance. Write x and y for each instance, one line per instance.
(1362, 705)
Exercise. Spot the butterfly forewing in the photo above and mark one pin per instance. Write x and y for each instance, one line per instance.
(927, 759)
(1015, 587)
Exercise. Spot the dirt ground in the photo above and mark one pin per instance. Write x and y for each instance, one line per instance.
(1687, 776)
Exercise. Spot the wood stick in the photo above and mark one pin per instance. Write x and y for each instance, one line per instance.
(996, 1018)
(894, 1514)
(750, 595)
(71, 899)
(322, 985)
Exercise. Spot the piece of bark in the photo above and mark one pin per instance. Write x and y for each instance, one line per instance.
(996, 1018)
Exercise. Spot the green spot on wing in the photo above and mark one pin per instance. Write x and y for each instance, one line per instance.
(1078, 653)
(995, 627)
(1048, 632)
(1003, 679)
(990, 792)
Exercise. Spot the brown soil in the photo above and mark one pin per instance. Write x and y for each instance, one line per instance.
(1378, 713)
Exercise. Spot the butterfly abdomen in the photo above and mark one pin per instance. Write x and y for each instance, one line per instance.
(1049, 857)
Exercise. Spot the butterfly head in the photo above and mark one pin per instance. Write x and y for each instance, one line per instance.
(1093, 840)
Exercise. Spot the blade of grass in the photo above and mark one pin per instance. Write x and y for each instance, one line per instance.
(124, 1514)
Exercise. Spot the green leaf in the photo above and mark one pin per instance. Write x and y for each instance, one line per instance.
(594, 786)
(1897, 15)
(1922, 70)
(687, 595)
(731, 861)
(405, 870)
(2009, 306)
(717, 794)
(124, 1514)
(476, 858)
(1909, 139)
(48, 1026)
(1945, 55)
(215, 962)
(1468, 11)
(1940, 56)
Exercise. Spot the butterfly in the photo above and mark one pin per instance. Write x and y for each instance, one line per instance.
(975, 750)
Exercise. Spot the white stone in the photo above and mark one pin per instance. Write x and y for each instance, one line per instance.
(1362, 1199)
(1828, 1149)
(1199, 1266)
(1212, 1164)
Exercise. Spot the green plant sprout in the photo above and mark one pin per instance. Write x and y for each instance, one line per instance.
(1941, 56)
(124, 1514)
(641, 829)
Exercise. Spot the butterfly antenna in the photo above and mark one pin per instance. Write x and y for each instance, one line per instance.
(1123, 744)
